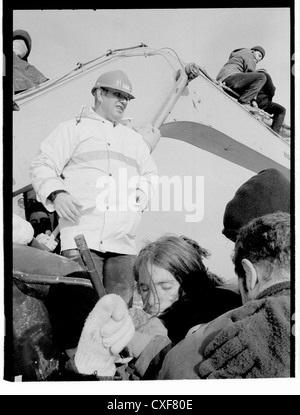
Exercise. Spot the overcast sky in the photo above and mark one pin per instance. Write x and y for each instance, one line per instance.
(205, 36)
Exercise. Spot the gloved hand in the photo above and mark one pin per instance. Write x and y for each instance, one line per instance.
(47, 240)
(146, 329)
(67, 207)
(106, 332)
(256, 344)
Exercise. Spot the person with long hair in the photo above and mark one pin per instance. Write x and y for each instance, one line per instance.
(177, 287)
(178, 292)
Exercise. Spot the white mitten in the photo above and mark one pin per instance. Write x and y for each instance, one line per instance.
(106, 332)
(47, 240)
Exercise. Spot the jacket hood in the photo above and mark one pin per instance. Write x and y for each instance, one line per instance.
(87, 111)
(22, 34)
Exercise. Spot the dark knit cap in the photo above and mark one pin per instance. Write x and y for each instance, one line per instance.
(22, 34)
(260, 49)
(267, 192)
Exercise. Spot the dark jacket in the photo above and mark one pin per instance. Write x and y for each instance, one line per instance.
(252, 341)
(25, 76)
(267, 92)
(240, 61)
(178, 320)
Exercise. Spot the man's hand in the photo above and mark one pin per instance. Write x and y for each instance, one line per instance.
(107, 330)
(192, 71)
(67, 206)
(141, 199)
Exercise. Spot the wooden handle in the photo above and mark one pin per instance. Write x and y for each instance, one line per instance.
(89, 263)
(56, 231)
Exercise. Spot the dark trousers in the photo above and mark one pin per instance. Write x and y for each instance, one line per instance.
(70, 305)
(115, 271)
(278, 112)
(246, 85)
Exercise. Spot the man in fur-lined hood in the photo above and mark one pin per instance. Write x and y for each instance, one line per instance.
(25, 75)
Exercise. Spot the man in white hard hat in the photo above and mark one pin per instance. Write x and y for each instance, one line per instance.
(98, 175)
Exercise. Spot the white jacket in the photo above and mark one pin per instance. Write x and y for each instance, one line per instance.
(101, 164)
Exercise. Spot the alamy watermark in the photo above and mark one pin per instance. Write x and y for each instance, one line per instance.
(176, 193)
